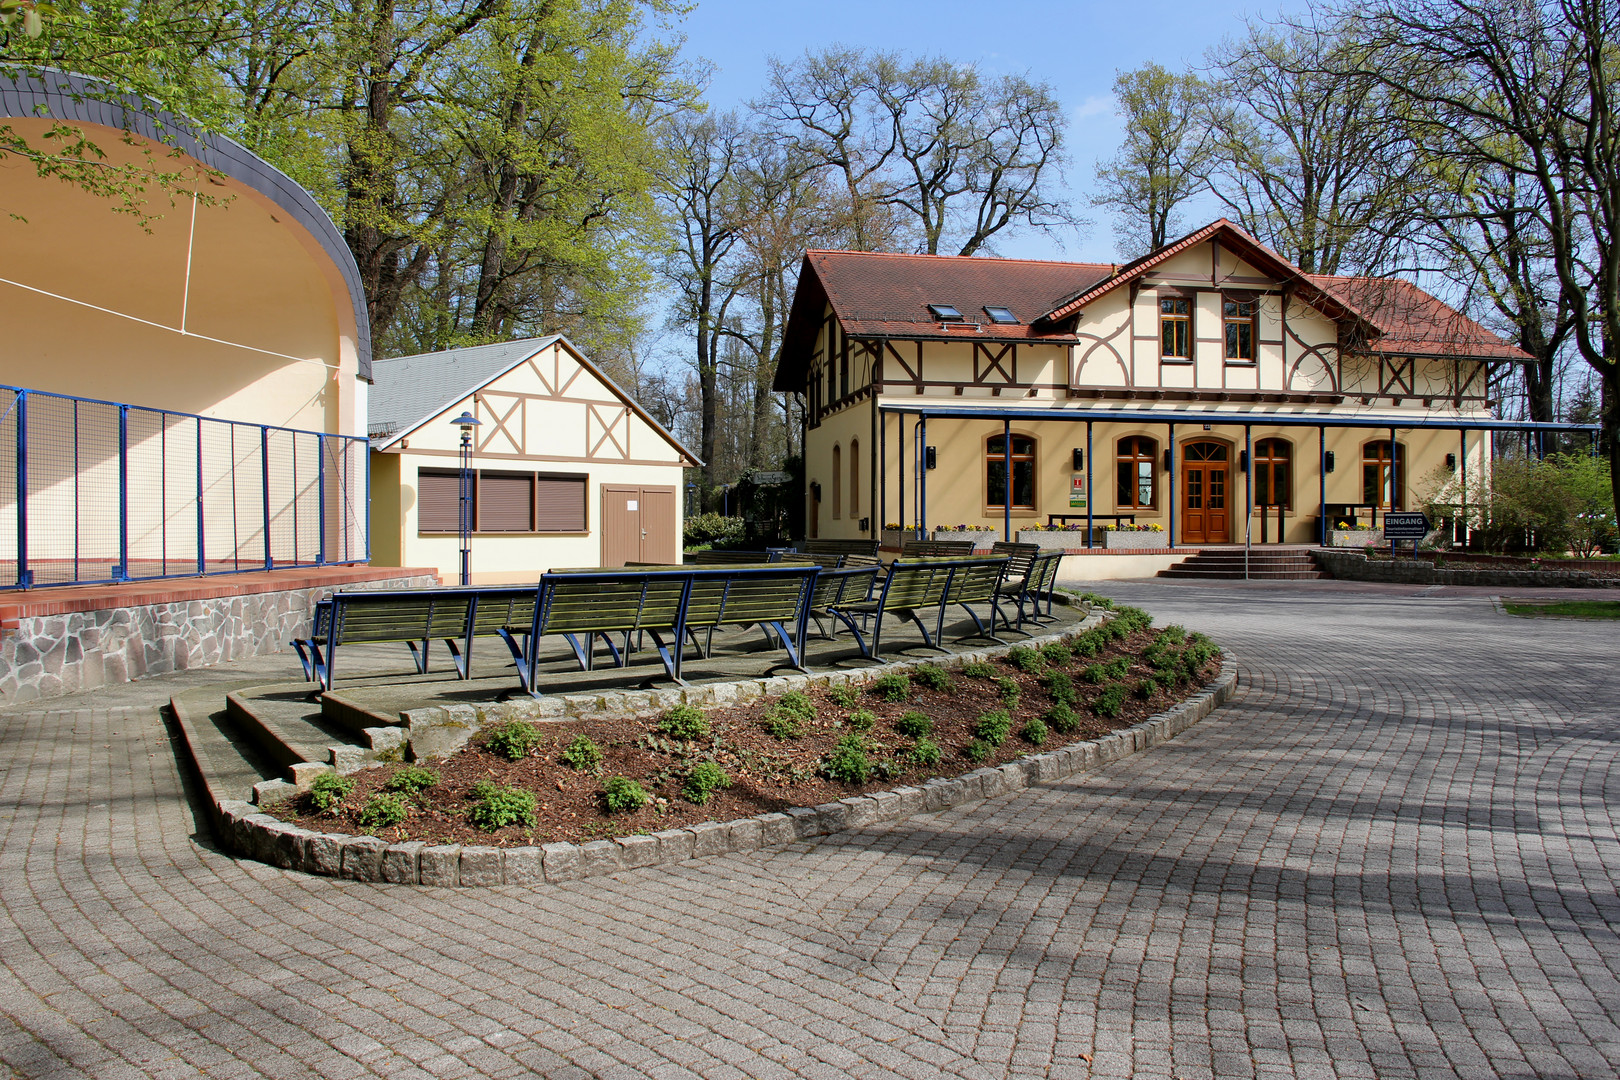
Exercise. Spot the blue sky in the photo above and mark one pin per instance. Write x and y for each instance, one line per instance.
(1075, 47)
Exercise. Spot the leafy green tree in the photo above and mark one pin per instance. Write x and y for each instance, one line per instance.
(1162, 160)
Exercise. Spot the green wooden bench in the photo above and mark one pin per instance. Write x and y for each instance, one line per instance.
(835, 588)
(854, 546)
(775, 596)
(936, 549)
(912, 589)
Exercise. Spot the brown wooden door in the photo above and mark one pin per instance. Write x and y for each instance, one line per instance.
(1206, 515)
(638, 525)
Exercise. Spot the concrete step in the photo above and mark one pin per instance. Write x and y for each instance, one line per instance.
(1254, 575)
(227, 762)
(1270, 564)
(285, 726)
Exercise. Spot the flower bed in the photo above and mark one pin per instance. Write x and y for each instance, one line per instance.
(524, 785)
(1053, 538)
(982, 538)
(1354, 538)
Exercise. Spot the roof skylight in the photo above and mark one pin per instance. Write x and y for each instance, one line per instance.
(1000, 314)
(945, 312)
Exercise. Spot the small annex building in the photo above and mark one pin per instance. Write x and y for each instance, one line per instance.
(568, 469)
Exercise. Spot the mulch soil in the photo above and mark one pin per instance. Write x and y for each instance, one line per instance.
(767, 773)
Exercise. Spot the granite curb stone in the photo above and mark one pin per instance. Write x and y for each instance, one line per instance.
(271, 840)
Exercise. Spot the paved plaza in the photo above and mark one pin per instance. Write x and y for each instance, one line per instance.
(1394, 854)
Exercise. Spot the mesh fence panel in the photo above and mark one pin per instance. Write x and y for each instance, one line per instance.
(93, 492)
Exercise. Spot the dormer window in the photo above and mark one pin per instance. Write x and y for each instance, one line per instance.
(1001, 315)
(945, 312)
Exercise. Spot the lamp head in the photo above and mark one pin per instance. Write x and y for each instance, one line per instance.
(467, 421)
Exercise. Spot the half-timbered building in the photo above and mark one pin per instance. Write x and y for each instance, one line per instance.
(567, 469)
(1210, 388)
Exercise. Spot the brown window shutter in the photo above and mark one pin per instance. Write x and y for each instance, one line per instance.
(438, 501)
(560, 504)
(505, 502)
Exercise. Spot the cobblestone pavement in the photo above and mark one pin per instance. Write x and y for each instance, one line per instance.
(1394, 854)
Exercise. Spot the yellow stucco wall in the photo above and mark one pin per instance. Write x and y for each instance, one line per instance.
(237, 313)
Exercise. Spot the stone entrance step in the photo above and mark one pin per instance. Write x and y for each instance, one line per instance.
(1275, 564)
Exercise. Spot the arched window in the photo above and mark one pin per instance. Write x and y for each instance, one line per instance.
(1273, 473)
(855, 478)
(1138, 487)
(1023, 472)
(837, 481)
(1383, 475)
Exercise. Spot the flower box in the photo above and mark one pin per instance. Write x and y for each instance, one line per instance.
(1116, 540)
(1354, 538)
(1053, 538)
(893, 538)
(981, 540)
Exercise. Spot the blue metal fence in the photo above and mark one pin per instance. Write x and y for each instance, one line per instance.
(96, 491)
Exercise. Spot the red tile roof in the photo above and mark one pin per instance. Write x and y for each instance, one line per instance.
(1409, 321)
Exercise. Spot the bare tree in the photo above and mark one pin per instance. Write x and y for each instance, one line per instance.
(1163, 159)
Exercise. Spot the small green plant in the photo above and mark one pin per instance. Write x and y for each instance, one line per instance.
(328, 791)
(1009, 691)
(798, 703)
(977, 750)
(685, 723)
(513, 740)
(1110, 701)
(1034, 732)
(1090, 643)
(993, 727)
(1025, 658)
(1062, 718)
(1109, 672)
(1147, 688)
(862, 720)
(1061, 687)
(499, 806)
(382, 810)
(978, 669)
(891, 687)
(843, 696)
(780, 723)
(623, 795)
(582, 755)
(848, 763)
(914, 725)
(703, 781)
(1097, 600)
(887, 768)
(933, 677)
(1056, 653)
(925, 751)
(411, 780)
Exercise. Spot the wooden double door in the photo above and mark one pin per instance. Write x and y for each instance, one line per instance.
(1206, 493)
(638, 525)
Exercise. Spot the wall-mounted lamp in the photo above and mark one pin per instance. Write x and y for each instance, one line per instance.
(815, 491)
(929, 458)
(1451, 462)
(1169, 458)
(1079, 459)
(1243, 461)
(1327, 461)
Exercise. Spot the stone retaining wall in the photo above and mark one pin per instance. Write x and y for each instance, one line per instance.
(49, 655)
(367, 858)
(1355, 566)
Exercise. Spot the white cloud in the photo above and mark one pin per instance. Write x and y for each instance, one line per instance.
(1095, 105)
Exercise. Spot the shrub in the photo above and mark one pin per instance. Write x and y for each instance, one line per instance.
(1090, 643)
(887, 768)
(914, 725)
(978, 669)
(862, 720)
(1056, 653)
(891, 687)
(1034, 732)
(703, 781)
(712, 529)
(513, 740)
(934, 677)
(499, 806)
(977, 750)
(685, 723)
(1061, 687)
(1025, 658)
(1172, 634)
(1097, 600)
(1147, 688)
(780, 723)
(1009, 691)
(797, 703)
(925, 752)
(382, 810)
(1110, 701)
(843, 696)
(848, 763)
(328, 792)
(1062, 718)
(411, 779)
(993, 727)
(582, 755)
(623, 795)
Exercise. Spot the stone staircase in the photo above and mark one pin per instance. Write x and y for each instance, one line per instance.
(1265, 564)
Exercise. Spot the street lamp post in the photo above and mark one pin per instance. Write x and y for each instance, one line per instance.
(466, 422)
